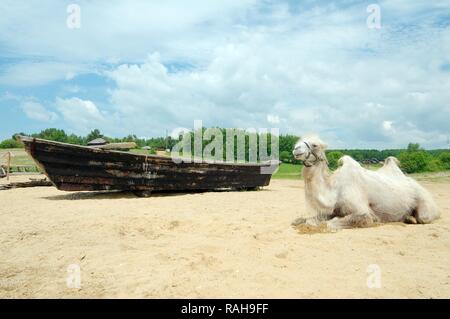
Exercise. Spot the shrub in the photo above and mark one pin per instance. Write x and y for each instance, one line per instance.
(333, 158)
(414, 161)
(434, 165)
(286, 157)
(10, 143)
(412, 147)
(444, 158)
(52, 134)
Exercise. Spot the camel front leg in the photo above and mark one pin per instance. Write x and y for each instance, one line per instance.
(313, 221)
(305, 220)
(351, 221)
(316, 220)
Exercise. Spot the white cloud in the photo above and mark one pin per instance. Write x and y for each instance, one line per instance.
(273, 119)
(388, 127)
(26, 74)
(81, 115)
(116, 30)
(36, 111)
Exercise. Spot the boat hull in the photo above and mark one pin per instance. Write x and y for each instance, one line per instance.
(80, 168)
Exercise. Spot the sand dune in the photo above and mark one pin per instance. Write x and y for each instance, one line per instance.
(220, 244)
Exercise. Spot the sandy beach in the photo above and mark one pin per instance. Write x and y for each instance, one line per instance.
(210, 245)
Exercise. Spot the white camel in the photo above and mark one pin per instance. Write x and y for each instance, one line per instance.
(353, 196)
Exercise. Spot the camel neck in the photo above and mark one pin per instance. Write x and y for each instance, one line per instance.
(318, 189)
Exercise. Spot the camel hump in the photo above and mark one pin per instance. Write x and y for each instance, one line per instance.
(347, 160)
(391, 160)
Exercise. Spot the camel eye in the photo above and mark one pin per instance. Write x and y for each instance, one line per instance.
(314, 145)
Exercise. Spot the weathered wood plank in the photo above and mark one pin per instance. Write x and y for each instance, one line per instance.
(81, 183)
(138, 166)
(151, 172)
(179, 182)
(116, 156)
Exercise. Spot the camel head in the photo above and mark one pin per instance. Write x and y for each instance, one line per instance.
(310, 150)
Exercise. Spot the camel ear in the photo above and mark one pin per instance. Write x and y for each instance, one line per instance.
(324, 146)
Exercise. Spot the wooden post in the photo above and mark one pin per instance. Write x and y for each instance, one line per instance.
(8, 167)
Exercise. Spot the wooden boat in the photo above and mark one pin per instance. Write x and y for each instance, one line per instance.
(81, 168)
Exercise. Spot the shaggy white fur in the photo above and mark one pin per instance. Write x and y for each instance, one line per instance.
(353, 196)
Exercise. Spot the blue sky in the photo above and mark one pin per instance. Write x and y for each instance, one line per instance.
(302, 66)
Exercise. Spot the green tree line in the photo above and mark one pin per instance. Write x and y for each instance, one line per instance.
(413, 158)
